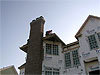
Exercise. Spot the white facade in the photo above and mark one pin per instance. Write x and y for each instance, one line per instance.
(53, 61)
(90, 58)
(74, 67)
(89, 48)
(78, 58)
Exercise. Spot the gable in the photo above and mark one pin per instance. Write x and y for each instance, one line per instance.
(90, 17)
(54, 37)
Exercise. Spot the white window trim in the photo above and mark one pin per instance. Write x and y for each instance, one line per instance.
(52, 70)
(52, 49)
(97, 40)
(71, 57)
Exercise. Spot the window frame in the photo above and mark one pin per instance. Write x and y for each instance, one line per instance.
(52, 70)
(96, 41)
(71, 58)
(67, 59)
(54, 49)
(98, 35)
(74, 65)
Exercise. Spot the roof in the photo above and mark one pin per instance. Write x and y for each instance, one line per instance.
(54, 37)
(71, 44)
(90, 16)
(22, 66)
(74, 45)
(50, 37)
(9, 67)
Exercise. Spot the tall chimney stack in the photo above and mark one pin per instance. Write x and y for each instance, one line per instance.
(35, 48)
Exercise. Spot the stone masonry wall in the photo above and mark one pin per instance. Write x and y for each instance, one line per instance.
(35, 48)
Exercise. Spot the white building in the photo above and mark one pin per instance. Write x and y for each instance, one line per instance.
(53, 56)
(72, 59)
(78, 58)
(89, 41)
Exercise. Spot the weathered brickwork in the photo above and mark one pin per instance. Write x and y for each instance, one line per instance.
(35, 48)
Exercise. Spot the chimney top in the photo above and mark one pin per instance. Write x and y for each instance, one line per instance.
(39, 18)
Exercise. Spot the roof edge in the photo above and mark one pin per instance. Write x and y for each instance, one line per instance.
(83, 25)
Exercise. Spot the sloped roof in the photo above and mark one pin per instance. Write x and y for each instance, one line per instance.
(9, 67)
(51, 37)
(71, 44)
(84, 24)
(54, 37)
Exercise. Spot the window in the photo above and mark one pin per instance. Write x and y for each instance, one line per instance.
(55, 49)
(98, 34)
(67, 60)
(75, 58)
(52, 49)
(48, 48)
(48, 72)
(72, 59)
(51, 71)
(92, 42)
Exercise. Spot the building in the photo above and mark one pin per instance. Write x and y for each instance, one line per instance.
(81, 57)
(53, 56)
(89, 42)
(72, 59)
(9, 70)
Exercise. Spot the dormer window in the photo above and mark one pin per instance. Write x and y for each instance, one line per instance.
(92, 42)
(52, 49)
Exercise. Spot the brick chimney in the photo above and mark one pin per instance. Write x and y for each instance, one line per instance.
(35, 48)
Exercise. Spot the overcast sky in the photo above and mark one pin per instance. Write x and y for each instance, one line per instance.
(64, 17)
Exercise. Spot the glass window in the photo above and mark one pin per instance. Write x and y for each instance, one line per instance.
(98, 34)
(48, 72)
(51, 71)
(55, 49)
(48, 48)
(55, 73)
(76, 61)
(52, 49)
(92, 42)
(67, 60)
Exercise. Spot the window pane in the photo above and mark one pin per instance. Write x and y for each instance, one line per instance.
(76, 61)
(55, 49)
(48, 48)
(92, 42)
(67, 60)
(55, 73)
(98, 36)
(48, 72)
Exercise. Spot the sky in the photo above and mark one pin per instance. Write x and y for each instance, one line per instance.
(64, 17)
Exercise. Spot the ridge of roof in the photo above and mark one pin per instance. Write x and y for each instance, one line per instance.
(53, 35)
(71, 44)
(83, 25)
